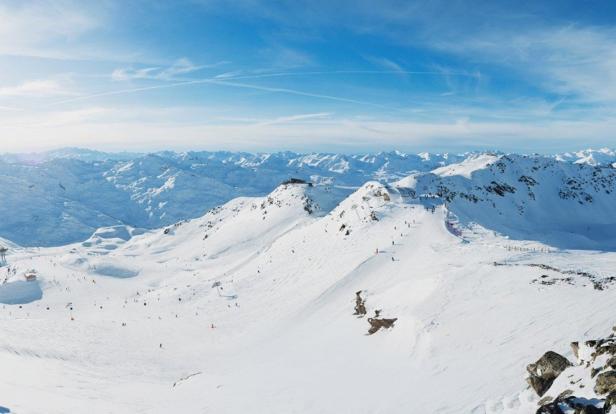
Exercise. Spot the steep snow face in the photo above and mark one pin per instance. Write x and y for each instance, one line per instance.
(250, 309)
(562, 204)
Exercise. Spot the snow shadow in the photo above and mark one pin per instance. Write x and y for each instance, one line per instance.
(19, 293)
(114, 271)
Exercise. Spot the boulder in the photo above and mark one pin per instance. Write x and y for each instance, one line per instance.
(377, 323)
(546, 370)
(606, 382)
(360, 305)
(551, 408)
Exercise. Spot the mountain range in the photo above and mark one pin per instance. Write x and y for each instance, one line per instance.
(64, 196)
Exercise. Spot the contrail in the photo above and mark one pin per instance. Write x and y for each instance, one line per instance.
(230, 82)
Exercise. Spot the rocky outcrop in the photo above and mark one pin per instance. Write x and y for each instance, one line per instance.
(606, 382)
(586, 387)
(360, 305)
(546, 370)
(377, 323)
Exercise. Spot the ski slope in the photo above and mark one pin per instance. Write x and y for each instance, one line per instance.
(250, 309)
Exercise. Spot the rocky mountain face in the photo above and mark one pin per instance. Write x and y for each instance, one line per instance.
(563, 204)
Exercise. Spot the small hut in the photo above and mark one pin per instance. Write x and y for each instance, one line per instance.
(30, 275)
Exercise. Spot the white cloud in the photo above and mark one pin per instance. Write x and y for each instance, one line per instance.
(294, 118)
(124, 74)
(181, 66)
(164, 129)
(34, 88)
(31, 28)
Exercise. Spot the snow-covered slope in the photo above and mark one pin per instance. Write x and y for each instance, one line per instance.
(250, 308)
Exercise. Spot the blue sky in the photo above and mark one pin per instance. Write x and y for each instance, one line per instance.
(308, 75)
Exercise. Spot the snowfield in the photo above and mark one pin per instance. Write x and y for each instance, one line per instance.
(250, 307)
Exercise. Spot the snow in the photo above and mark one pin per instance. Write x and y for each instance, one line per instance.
(249, 308)
(468, 166)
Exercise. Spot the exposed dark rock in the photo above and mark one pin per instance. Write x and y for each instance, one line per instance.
(606, 382)
(545, 400)
(550, 408)
(609, 406)
(378, 323)
(575, 347)
(294, 181)
(588, 409)
(606, 349)
(546, 370)
(360, 305)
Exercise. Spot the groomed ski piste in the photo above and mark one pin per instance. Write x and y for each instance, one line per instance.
(250, 309)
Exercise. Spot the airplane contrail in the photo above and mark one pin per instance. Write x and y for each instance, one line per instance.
(229, 81)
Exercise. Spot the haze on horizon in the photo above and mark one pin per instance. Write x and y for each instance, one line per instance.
(307, 75)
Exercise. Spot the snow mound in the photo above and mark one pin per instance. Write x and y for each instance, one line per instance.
(467, 167)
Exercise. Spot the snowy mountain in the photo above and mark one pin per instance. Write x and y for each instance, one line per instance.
(63, 196)
(603, 156)
(566, 205)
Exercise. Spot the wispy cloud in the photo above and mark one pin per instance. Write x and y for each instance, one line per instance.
(388, 64)
(35, 88)
(294, 118)
(182, 66)
(111, 128)
(574, 61)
